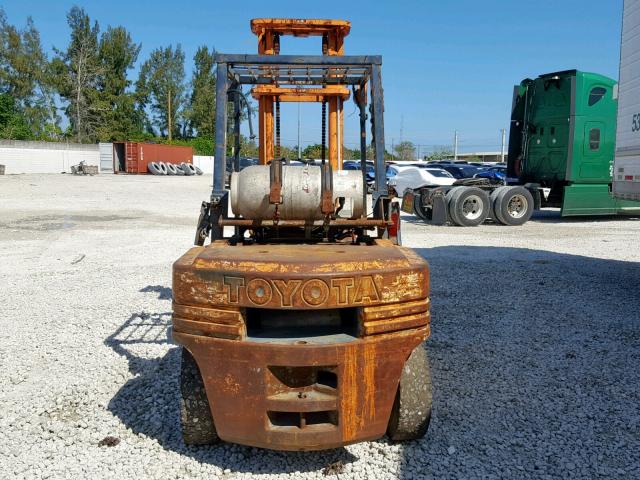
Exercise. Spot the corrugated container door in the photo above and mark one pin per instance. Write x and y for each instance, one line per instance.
(106, 157)
(131, 152)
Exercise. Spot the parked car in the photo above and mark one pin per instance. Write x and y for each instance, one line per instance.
(244, 163)
(461, 171)
(416, 177)
(370, 171)
(497, 174)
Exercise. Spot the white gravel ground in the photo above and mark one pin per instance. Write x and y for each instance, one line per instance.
(535, 349)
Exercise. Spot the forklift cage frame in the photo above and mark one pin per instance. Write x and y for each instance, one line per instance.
(235, 70)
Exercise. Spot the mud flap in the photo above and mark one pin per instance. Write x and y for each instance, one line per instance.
(407, 201)
(439, 208)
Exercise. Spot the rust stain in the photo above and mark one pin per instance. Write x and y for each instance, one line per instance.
(349, 394)
(230, 385)
(369, 382)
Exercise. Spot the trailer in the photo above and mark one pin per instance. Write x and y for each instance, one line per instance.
(626, 182)
(561, 149)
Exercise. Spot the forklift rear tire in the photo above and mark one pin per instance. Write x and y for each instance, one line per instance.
(469, 206)
(512, 205)
(195, 415)
(411, 412)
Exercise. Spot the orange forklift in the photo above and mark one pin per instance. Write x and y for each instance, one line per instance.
(302, 321)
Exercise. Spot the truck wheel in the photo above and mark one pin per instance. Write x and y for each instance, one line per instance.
(469, 206)
(411, 410)
(450, 211)
(512, 205)
(492, 199)
(195, 414)
(419, 209)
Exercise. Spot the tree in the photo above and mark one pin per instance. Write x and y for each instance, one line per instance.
(79, 71)
(405, 151)
(118, 54)
(12, 123)
(314, 151)
(203, 94)
(161, 85)
(23, 75)
(440, 153)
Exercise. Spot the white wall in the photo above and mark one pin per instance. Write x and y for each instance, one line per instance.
(204, 162)
(43, 157)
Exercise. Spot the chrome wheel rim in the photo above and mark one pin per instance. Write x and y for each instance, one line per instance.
(472, 207)
(517, 206)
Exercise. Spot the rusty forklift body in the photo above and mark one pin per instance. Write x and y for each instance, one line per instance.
(301, 329)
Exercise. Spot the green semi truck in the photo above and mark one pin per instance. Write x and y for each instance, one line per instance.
(561, 150)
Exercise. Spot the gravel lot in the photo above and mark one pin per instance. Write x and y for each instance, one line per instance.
(535, 349)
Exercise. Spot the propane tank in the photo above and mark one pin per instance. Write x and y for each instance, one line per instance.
(301, 193)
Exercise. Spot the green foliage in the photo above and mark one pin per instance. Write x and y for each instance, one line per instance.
(203, 94)
(440, 153)
(118, 54)
(12, 123)
(24, 76)
(314, 151)
(77, 72)
(161, 86)
(405, 151)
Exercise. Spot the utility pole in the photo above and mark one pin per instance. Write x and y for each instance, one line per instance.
(299, 148)
(401, 127)
(455, 145)
(504, 136)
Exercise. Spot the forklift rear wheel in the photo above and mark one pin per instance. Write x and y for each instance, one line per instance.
(512, 205)
(195, 415)
(411, 411)
(469, 206)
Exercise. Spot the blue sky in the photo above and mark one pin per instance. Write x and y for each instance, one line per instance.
(447, 65)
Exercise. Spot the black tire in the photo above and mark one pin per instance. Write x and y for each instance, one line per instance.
(450, 211)
(195, 415)
(179, 170)
(171, 169)
(469, 206)
(163, 168)
(198, 170)
(513, 205)
(186, 168)
(411, 412)
(154, 168)
(419, 209)
(492, 198)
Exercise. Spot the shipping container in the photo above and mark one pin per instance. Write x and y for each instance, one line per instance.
(106, 157)
(626, 168)
(134, 157)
